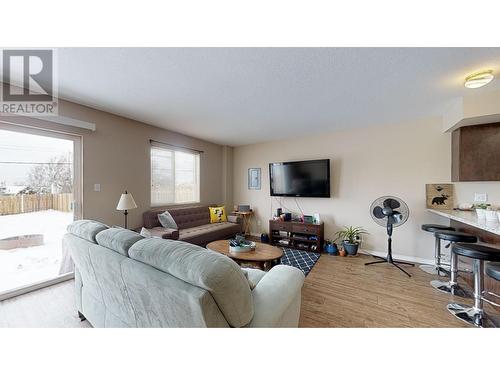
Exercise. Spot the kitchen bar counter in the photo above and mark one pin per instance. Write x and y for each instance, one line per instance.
(486, 232)
(469, 218)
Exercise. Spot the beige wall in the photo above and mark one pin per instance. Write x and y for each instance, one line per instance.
(366, 163)
(464, 191)
(117, 156)
(227, 176)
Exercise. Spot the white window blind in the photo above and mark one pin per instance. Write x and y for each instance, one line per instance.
(175, 175)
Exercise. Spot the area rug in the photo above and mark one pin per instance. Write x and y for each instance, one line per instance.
(303, 260)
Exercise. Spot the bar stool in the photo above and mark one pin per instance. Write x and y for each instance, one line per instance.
(493, 271)
(452, 286)
(479, 253)
(437, 268)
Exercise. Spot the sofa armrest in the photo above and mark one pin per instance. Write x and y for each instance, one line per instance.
(165, 233)
(277, 298)
(234, 219)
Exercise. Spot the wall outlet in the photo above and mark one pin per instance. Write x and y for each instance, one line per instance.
(480, 197)
(97, 187)
(258, 223)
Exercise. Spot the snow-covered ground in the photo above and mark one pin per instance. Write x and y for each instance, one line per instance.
(23, 266)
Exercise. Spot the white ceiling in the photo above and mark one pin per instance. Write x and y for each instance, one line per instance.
(240, 96)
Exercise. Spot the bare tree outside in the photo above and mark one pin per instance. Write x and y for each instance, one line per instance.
(54, 176)
(36, 206)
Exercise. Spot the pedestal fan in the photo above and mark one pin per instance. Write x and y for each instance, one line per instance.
(390, 212)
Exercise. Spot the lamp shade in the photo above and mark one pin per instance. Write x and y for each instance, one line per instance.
(126, 202)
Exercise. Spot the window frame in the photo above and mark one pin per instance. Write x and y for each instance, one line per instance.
(174, 149)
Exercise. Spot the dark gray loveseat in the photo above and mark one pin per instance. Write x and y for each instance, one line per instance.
(193, 225)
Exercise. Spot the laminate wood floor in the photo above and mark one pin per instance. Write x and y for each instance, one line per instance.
(343, 292)
(339, 292)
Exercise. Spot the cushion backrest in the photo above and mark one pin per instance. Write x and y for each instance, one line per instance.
(189, 217)
(185, 217)
(150, 218)
(118, 239)
(203, 268)
(86, 229)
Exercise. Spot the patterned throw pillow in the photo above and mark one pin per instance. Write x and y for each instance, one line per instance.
(217, 214)
(167, 221)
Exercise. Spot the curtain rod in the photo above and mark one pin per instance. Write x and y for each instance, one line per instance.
(151, 141)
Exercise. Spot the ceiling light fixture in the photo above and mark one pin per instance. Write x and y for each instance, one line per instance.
(480, 79)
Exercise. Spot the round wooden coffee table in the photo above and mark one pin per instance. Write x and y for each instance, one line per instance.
(262, 255)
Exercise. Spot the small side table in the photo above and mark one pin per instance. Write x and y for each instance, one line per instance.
(247, 220)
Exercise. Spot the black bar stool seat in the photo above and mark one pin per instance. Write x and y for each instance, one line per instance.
(476, 251)
(437, 268)
(453, 236)
(435, 227)
(479, 253)
(493, 270)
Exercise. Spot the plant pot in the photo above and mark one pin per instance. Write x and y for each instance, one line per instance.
(264, 238)
(481, 213)
(491, 216)
(351, 248)
(331, 249)
(342, 252)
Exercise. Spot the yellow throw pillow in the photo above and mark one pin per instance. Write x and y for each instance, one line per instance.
(217, 214)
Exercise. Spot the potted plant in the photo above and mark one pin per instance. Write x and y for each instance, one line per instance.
(331, 247)
(264, 238)
(351, 237)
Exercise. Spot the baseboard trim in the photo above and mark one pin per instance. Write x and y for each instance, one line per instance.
(32, 287)
(383, 254)
(398, 256)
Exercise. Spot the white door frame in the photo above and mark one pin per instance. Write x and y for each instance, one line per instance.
(77, 193)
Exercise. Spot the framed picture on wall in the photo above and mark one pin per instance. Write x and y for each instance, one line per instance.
(254, 178)
(439, 196)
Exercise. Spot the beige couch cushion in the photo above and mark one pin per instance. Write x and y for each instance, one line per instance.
(204, 268)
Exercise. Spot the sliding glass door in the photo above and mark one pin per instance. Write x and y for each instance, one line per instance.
(40, 195)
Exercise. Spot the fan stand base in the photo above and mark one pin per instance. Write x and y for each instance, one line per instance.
(389, 260)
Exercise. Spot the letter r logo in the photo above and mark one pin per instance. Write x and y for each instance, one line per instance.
(29, 75)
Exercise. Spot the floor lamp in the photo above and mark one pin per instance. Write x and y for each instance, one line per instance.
(126, 203)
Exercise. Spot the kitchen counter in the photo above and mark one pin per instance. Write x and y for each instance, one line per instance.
(487, 233)
(469, 218)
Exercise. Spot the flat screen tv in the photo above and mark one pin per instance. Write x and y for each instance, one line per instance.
(309, 178)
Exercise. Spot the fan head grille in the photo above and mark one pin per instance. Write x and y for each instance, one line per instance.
(389, 208)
